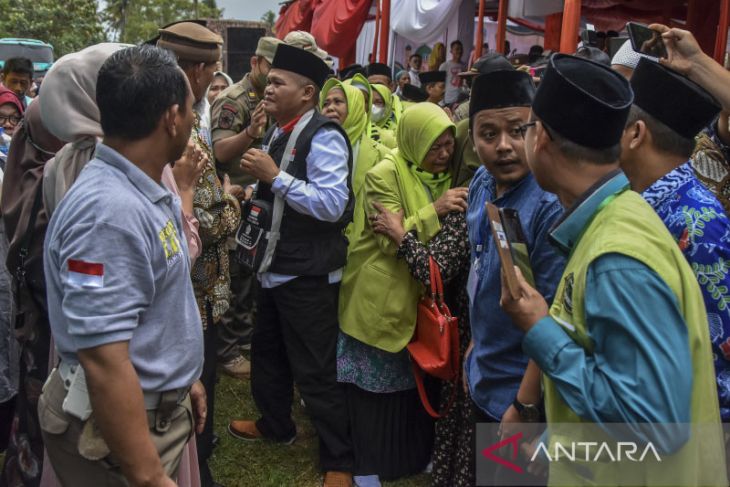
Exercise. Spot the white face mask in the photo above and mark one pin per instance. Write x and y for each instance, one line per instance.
(377, 113)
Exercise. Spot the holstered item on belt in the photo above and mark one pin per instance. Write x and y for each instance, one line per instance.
(91, 444)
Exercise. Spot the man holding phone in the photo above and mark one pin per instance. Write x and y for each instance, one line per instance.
(607, 355)
(495, 363)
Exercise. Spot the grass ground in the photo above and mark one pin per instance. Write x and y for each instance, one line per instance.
(237, 463)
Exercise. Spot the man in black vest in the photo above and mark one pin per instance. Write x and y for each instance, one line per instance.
(295, 336)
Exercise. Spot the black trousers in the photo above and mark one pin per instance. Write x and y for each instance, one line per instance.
(295, 340)
(204, 441)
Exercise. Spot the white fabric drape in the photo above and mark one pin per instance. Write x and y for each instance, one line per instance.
(423, 21)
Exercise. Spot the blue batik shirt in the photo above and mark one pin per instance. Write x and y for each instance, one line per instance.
(697, 220)
(496, 364)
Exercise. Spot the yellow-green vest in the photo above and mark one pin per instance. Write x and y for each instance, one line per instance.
(629, 226)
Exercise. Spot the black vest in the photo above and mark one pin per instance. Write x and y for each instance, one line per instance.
(307, 247)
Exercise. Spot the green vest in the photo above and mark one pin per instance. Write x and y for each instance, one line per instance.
(628, 225)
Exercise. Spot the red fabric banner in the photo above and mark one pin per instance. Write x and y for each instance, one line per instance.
(336, 24)
(296, 15)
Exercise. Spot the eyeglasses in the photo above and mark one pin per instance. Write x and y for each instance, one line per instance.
(10, 118)
(523, 128)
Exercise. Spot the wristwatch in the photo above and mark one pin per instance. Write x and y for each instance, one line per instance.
(529, 413)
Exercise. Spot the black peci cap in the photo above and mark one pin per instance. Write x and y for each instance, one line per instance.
(583, 101)
(432, 77)
(501, 89)
(378, 68)
(305, 63)
(414, 93)
(350, 71)
(677, 102)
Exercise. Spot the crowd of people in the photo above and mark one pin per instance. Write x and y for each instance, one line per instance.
(160, 221)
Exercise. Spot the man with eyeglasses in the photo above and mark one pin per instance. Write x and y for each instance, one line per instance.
(495, 364)
(626, 338)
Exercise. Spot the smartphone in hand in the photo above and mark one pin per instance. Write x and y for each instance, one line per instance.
(511, 246)
(646, 40)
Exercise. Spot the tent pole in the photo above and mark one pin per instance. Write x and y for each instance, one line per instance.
(374, 52)
(480, 31)
(384, 31)
(502, 26)
(571, 26)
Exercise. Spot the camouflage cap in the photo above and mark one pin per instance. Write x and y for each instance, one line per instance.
(266, 48)
(305, 40)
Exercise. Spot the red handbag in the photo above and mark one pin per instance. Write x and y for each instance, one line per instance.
(434, 347)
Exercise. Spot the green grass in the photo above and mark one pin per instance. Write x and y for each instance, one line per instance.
(237, 463)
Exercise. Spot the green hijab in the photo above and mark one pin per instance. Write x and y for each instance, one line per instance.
(387, 96)
(361, 83)
(356, 122)
(419, 127)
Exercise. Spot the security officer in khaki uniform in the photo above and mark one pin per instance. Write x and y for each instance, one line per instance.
(237, 125)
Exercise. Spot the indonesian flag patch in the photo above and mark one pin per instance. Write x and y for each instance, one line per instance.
(85, 274)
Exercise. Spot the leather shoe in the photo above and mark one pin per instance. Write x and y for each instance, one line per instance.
(337, 479)
(247, 431)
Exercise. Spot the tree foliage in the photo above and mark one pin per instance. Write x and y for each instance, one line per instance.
(270, 19)
(136, 21)
(68, 25)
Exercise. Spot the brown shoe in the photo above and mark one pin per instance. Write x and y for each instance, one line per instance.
(337, 479)
(247, 431)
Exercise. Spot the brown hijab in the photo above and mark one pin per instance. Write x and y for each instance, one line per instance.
(31, 147)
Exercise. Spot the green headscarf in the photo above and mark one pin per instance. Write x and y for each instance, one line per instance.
(361, 83)
(419, 127)
(356, 122)
(387, 96)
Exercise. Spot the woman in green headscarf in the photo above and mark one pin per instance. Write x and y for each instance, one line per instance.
(345, 104)
(383, 116)
(391, 433)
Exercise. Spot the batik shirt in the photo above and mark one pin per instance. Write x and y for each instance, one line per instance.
(711, 162)
(699, 224)
(219, 214)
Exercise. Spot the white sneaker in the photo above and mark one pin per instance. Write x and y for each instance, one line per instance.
(238, 367)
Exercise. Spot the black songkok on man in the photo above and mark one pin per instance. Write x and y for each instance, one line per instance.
(414, 93)
(583, 101)
(378, 68)
(432, 77)
(350, 71)
(501, 89)
(305, 63)
(672, 99)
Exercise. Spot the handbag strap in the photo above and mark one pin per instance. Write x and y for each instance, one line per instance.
(437, 286)
(418, 375)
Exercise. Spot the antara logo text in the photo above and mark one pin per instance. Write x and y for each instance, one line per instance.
(582, 451)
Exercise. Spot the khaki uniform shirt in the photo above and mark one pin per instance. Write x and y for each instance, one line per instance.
(230, 115)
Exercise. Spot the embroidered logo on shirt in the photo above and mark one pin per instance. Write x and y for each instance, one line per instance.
(170, 242)
(85, 274)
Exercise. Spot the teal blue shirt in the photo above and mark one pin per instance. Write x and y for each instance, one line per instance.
(638, 371)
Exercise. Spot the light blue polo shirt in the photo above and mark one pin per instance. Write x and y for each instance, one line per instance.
(117, 269)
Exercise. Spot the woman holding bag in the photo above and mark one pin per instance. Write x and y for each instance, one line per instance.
(392, 434)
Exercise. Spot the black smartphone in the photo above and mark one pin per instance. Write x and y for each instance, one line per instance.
(517, 242)
(646, 40)
(614, 44)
